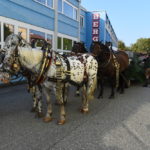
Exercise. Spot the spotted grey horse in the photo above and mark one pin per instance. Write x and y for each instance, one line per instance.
(73, 69)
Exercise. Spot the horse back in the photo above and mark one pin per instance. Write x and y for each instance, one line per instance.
(122, 59)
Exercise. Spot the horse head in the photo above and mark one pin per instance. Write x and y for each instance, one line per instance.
(11, 52)
(79, 47)
(96, 48)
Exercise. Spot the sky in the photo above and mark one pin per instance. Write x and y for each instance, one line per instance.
(129, 18)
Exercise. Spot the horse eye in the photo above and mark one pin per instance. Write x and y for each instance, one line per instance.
(13, 44)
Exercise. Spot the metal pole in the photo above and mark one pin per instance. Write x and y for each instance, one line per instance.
(55, 24)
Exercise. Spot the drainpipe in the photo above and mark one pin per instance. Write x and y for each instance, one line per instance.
(55, 24)
(79, 10)
(105, 28)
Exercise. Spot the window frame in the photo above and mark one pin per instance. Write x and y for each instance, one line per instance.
(82, 17)
(46, 4)
(74, 8)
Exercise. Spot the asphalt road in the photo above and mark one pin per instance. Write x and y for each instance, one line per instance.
(119, 124)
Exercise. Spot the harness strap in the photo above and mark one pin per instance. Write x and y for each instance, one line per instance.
(44, 67)
(117, 66)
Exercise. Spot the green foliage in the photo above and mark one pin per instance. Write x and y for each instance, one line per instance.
(141, 45)
(135, 71)
(121, 45)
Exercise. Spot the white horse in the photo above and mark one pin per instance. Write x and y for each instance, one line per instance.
(35, 89)
(77, 70)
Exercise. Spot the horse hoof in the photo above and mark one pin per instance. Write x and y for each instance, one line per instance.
(33, 109)
(111, 97)
(47, 119)
(77, 94)
(100, 97)
(84, 111)
(39, 115)
(121, 92)
(61, 122)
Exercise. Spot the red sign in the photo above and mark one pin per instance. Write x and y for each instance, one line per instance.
(95, 27)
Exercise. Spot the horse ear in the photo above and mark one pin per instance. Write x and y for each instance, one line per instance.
(19, 36)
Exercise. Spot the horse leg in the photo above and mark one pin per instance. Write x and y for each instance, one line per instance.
(48, 116)
(101, 88)
(78, 91)
(84, 108)
(32, 90)
(88, 93)
(122, 83)
(38, 93)
(59, 97)
(146, 81)
(65, 93)
(112, 83)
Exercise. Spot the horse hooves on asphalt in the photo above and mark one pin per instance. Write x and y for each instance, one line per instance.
(77, 94)
(47, 119)
(121, 92)
(33, 109)
(61, 122)
(39, 115)
(100, 97)
(83, 111)
(111, 97)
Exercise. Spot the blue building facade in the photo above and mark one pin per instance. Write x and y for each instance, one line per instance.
(60, 22)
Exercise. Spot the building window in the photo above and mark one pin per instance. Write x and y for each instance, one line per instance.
(75, 14)
(60, 6)
(48, 3)
(23, 32)
(8, 29)
(70, 11)
(59, 43)
(67, 44)
(81, 21)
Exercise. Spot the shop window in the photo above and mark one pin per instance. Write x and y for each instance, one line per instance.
(8, 29)
(23, 32)
(67, 44)
(59, 43)
(60, 5)
(50, 39)
(36, 38)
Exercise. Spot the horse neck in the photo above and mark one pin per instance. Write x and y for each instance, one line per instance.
(30, 58)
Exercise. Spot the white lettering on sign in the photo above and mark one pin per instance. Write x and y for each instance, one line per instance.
(96, 16)
(95, 24)
(95, 27)
(95, 38)
(95, 31)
